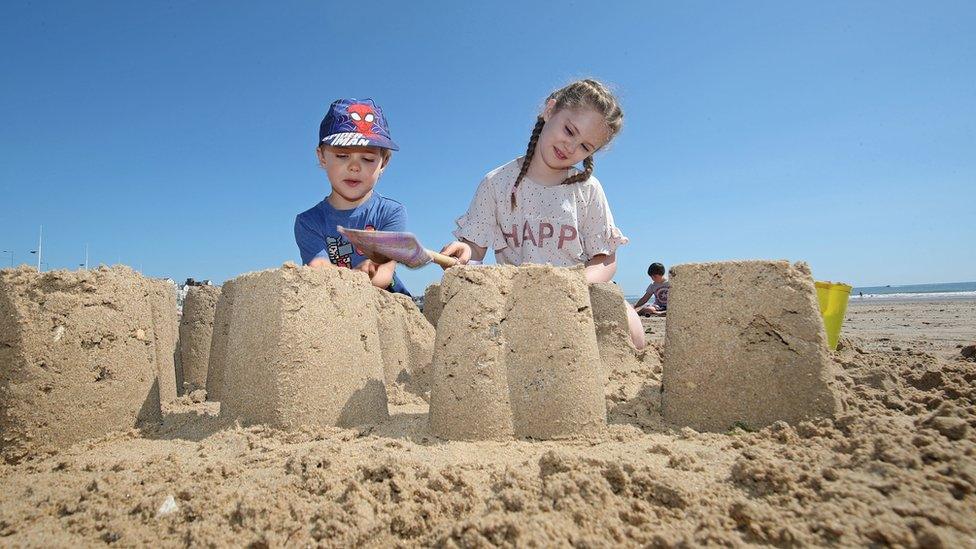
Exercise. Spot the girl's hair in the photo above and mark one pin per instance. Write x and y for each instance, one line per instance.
(587, 93)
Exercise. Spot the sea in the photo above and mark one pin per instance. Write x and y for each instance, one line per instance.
(920, 292)
(950, 290)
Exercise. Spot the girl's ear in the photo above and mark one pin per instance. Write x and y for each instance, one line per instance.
(547, 112)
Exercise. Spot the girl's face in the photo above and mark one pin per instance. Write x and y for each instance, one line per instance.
(570, 135)
(353, 172)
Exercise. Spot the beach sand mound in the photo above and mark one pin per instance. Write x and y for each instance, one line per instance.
(196, 335)
(302, 348)
(516, 355)
(894, 469)
(745, 345)
(81, 354)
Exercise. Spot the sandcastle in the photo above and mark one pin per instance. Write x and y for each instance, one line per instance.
(406, 340)
(220, 338)
(296, 346)
(433, 304)
(196, 331)
(81, 354)
(516, 355)
(745, 346)
(612, 330)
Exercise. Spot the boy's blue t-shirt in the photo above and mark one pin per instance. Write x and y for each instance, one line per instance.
(317, 236)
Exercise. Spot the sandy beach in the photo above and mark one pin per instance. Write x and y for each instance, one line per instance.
(897, 467)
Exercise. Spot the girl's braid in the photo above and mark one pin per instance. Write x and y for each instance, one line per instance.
(583, 175)
(529, 151)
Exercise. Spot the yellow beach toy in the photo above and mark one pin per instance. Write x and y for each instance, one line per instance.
(833, 298)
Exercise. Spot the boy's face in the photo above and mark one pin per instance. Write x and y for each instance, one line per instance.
(657, 278)
(352, 171)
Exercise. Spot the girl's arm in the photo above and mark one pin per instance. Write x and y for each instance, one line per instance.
(465, 250)
(601, 268)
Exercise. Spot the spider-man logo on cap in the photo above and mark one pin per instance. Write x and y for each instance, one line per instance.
(355, 123)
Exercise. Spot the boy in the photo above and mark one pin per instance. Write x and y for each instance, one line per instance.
(658, 289)
(354, 149)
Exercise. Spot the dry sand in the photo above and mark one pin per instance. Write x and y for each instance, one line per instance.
(745, 345)
(898, 468)
(196, 331)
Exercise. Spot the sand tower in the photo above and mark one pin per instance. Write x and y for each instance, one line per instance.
(196, 335)
(612, 330)
(433, 305)
(301, 347)
(745, 345)
(81, 354)
(516, 355)
(220, 339)
(406, 341)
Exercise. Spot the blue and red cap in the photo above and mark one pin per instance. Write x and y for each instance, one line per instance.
(355, 123)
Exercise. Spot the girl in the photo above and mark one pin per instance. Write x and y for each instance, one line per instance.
(540, 208)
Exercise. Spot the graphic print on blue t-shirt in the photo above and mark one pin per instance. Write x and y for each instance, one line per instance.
(317, 236)
(340, 252)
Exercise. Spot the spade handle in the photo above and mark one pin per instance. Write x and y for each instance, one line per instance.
(441, 259)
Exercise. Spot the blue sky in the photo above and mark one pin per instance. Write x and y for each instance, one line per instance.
(178, 137)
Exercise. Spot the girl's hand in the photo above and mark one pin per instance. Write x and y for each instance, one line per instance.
(459, 250)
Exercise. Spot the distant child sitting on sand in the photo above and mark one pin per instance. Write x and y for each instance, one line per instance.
(354, 149)
(540, 208)
(658, 290)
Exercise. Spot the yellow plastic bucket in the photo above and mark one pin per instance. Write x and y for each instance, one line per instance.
(833, 298)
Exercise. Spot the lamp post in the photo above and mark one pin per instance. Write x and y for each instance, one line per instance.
(40, 241)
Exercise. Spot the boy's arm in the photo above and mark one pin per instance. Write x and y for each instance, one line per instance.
(309, 240)
(320, 262)
(644, 298)
(380, 274)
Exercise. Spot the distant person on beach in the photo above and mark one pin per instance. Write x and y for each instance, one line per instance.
(658, 290)
(354, 149)
(540, 208)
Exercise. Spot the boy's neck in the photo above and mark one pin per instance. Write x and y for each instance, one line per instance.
(341, 203)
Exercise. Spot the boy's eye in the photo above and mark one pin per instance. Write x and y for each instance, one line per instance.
(370, 160)
(340, 155)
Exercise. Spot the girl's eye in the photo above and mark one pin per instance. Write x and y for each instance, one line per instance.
(586, 148)
(568, 131)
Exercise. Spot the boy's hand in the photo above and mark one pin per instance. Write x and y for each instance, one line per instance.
(368, 267)
(375, 257)
(320, 263)
(459, 250)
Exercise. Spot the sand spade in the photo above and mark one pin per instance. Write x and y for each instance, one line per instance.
(401, 247)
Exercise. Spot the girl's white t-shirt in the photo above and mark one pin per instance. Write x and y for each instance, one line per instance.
(564, 225)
